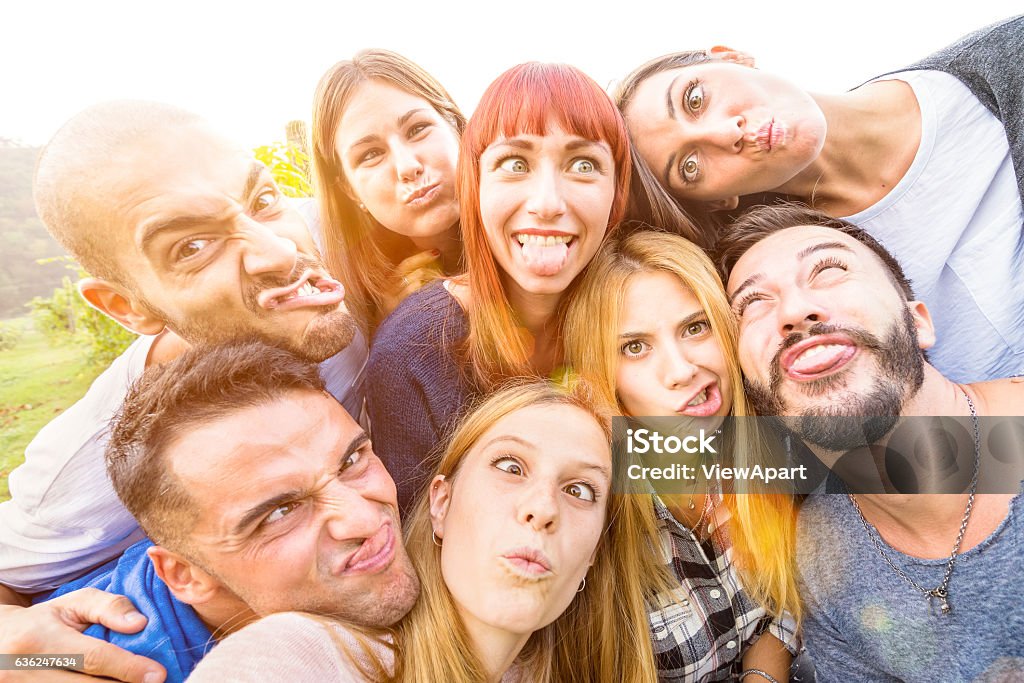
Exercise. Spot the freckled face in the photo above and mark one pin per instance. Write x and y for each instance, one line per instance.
(670, 362)
(545, 202)
(296, 512)
(719, 130)
(522, 517)
(398, 155)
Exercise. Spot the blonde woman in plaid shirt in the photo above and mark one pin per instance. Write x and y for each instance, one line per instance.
(667, 346)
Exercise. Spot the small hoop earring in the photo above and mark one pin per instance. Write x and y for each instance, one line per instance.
(433, 534)
(582, 585)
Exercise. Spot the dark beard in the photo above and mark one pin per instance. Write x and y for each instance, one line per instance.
(328, 334)
(847, 420)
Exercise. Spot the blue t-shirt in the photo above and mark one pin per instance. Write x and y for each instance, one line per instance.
(174, 635)
(865, 623)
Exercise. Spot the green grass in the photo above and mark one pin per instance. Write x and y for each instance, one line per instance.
(37, 382)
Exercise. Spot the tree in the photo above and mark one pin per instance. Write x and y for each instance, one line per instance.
(289, 165)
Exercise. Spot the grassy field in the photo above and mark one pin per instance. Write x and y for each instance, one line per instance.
(37, 382)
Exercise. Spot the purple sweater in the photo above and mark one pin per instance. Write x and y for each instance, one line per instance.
(415, 386)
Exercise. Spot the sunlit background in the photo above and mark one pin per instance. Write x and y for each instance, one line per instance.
(253, 66)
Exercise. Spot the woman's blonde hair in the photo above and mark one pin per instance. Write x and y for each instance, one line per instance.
(762, 526)
(602, 636)
(360, 251)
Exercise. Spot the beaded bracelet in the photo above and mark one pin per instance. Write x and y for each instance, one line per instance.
(763, 674)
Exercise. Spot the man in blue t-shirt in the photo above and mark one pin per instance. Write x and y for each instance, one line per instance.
(260, 494)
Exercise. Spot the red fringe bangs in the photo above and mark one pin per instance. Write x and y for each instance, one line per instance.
(528, 98)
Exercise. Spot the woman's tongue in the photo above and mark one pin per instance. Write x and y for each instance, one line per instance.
(545, 260)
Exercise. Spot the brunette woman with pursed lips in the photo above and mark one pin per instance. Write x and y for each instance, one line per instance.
(385, 145)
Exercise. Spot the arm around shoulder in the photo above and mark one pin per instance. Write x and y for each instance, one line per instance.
(55, 628)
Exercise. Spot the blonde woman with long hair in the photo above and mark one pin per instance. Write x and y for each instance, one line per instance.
(531, 568)
(651, 329)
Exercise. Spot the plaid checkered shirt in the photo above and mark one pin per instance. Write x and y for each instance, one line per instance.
(703, 628)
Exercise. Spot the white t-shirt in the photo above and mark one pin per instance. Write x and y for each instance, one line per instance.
(954, 223)
(64, 517)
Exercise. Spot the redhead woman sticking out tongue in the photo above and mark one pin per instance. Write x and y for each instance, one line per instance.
(543, 177)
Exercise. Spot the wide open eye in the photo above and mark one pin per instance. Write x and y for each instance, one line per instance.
(581, 490)
(513, 165)
(265, 200)
(634, 348)
(507, 463)
(689, 170)
(584, 166)
(693, 99)
(696, 328)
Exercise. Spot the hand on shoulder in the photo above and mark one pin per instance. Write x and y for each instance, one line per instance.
(55, 627)
(411, 275)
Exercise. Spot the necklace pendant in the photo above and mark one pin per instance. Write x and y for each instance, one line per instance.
(692, 506)
(941, 594)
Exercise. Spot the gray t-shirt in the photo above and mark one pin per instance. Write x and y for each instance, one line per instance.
(865, 623)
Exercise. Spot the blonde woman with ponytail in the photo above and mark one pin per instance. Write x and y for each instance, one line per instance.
(531, 569)
(651, 329)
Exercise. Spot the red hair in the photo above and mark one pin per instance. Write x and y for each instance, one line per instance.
(526, 99)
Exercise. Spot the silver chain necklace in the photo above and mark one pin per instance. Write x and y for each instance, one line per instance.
(709, 505)
(940, 592)
(693, 491)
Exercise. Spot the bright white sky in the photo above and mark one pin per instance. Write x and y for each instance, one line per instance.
(252, 66)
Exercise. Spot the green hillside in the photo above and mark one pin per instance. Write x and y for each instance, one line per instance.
(22, 236)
